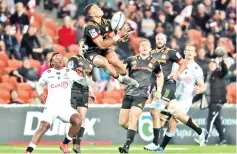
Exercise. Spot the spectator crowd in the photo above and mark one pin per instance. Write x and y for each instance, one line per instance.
(28, 38)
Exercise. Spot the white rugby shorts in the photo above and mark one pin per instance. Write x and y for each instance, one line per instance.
(63, 113)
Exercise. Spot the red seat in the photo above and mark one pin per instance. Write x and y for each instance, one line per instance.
(2, 66)
(99, 96)
(59, 48)
(113, 95)
(2, 101)
(10, 79)
(6, 86)
(4, 57)
(24, 86)
(73, 48)
(36, 64)
(24, 96)
(5, 95)
(14, 63)
(8, 70)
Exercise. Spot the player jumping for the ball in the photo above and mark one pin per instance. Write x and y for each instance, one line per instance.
(147, 71)
(189, 83)
(59, 81)
(99, 37)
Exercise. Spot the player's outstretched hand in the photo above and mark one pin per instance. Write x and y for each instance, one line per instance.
(197, 89)
(126, 36)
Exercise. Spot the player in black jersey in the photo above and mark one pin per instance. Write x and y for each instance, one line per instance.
(99, 38)
(167, 57)
(147, 71)
(80, 94)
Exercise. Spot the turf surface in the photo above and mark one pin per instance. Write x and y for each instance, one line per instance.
(93, 149)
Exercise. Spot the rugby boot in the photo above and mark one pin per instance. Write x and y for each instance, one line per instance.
(76, 148)
(64, 148)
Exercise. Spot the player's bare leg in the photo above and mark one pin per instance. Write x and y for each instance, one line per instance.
(134, 115)
(116, 62)
(120, 68)
(77, 140)
(75, 121)
(124, 117)
(43, 128)
(169, 134)
(187, 120)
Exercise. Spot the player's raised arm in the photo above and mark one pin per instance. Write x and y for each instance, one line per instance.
(176, 57)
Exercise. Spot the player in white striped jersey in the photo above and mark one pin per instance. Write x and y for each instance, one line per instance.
(59, 81)
(189, 83)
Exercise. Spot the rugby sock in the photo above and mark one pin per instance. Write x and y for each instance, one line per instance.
(67, 139)
(192, 124)
(130, 137)
(166, 139)
(31, 147)
(156, 132)
(79, 135)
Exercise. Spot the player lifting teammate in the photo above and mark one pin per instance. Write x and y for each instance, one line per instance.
(147, 71)
(59, 81)
(80, 93)
(189, 83)
(98, 40)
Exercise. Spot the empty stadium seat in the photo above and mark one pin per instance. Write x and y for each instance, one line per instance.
(14, 63)
(59, 48)
(5, 95)
(24, 86)
(113, 95)
(6, 86)
(2, 66)
(99, 96)
(4, 58)
(73, 48)
(10, 79)
(9, 69)
(24, 96)
(2, 101)
(36, 64)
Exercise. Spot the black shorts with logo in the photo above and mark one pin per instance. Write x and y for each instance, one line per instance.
(129, 101)
(79, 97)
(91, 54)
(168, 90)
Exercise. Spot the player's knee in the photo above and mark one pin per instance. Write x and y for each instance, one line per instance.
(76, 120)
(134, 116)
(154, 114)
(122, 122)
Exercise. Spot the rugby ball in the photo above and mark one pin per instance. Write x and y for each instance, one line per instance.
(117, 20)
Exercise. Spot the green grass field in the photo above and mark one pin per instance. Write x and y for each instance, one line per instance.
(94, 149)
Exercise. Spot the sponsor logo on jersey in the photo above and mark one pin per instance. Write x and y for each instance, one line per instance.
(187, 80)
(33, 119)
(51, 77)
(63, 85)
(66, 76)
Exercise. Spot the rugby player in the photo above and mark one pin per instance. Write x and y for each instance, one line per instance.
(167, 57)
(189, 83)
(59, 81)
(99, 39)
(80, 93)
(147, 71)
